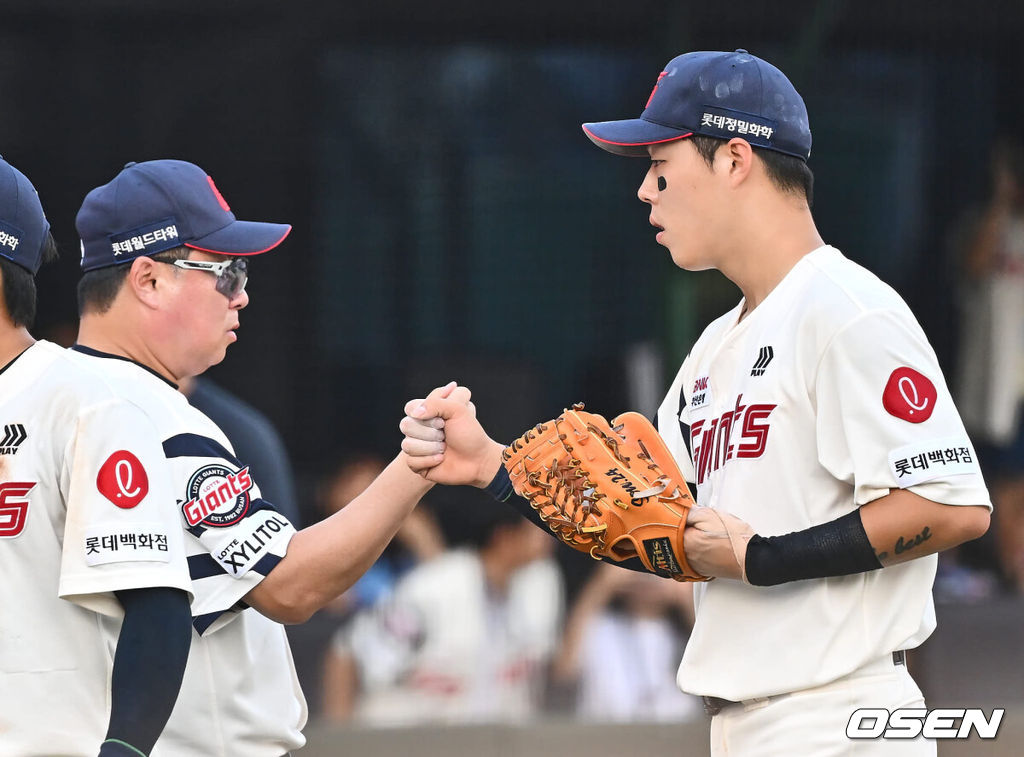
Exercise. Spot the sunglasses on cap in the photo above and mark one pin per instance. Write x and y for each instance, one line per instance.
(231, 274)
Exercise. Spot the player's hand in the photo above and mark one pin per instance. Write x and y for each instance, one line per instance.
(716, 543)
(445, 443)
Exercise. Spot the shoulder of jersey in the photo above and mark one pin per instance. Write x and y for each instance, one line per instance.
(58, 369)
(86, 379)
(839, 290)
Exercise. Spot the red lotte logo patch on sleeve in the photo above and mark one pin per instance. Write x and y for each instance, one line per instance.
(909, 395)
(123, 480)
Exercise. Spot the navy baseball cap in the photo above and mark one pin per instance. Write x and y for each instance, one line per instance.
(23, 225)
(716, 94)
(161, 204)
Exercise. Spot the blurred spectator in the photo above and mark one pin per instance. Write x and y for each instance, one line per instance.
(989, 247)
(623, 641)
(419, 539)
(465, 638)
(324, 677)
(254, 438)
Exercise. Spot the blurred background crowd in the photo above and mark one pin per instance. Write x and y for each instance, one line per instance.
(452, 222)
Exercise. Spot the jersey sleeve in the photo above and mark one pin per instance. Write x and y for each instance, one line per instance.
(121, 530)
(886, 419)
(233, 537)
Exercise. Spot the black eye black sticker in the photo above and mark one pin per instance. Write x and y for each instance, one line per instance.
(662, 183)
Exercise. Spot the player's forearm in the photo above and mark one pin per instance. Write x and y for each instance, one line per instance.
(326, 558)
(903, 526)
(896, 528)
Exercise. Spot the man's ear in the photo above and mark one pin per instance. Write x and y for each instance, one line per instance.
(145, 279)
(740, 157)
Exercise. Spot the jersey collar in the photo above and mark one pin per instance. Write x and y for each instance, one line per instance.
(15, 359)
(96, 353)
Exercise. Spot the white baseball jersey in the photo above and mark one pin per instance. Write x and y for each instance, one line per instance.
(85, 510)
(445, 649)
(240, 696)
(824, 398)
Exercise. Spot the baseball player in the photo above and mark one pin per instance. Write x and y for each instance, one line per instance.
(155, 496)
(827, 455)
(67, 457)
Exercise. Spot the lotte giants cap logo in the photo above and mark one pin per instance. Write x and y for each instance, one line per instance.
(909, 395)
(716, 94)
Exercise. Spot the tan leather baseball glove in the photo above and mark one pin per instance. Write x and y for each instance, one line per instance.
(611, 490)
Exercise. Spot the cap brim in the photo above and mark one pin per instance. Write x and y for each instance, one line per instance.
(631, 136)
(242, 238)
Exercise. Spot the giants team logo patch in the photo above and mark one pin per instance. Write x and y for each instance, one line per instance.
(909, 395)
(13, 507)
(217, 496)
(123, 480)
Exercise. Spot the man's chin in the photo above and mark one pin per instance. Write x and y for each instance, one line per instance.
(211, 360)
(686, 260)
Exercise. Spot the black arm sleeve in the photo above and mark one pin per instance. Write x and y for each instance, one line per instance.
(149, 664)
(501, 489)
(837, 548)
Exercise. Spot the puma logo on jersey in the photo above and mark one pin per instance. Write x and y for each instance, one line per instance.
(763, 358)
(14, 435)
(711, 440)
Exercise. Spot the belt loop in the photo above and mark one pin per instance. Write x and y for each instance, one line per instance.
(899, 657)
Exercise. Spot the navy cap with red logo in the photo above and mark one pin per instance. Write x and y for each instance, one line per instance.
(161, 204)
(716, 94)
(23, 225)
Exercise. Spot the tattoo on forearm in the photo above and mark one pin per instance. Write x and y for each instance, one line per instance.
(882, 555)
(902, 546)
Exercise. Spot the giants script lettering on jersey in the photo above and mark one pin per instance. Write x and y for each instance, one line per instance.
(14, 507)
(710, 439)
